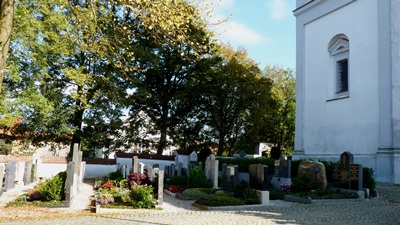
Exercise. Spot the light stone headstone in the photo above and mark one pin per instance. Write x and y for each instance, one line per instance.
(211, 170)
(193, 157)
(28, 173)
(69, 183)
(19, 175)
(160, 185)
(135, 164)
(141, 167)
(10, 175)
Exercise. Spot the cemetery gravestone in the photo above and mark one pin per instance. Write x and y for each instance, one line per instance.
(135, 164)
(10, 175)
(347, 175)
(258, 176)
(346, 158)
(284, 167)
(28, 172)
(315, 171)
(211, 170)
(356, 174)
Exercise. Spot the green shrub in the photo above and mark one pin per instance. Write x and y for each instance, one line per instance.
(116, 175)
(243, 191)
(193, 192)
(220, 200)
(303, 184)
(368, 178)
(276, 194)
(142, 196)
(177, 180)
(197, 178)
(53, 189)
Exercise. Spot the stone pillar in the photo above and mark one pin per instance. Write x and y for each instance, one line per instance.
(69, 183)
(135, 164)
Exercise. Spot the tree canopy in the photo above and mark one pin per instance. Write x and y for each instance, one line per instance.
(112, 73)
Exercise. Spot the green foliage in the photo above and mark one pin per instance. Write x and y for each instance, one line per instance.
(280, 122)
(177, 180)
(243, 191)
(303, 184)
(197, 178)
(116, 175)
(193, 192)
(327, 194)
(53, 189)
(220, 200)
(235, 95)
(142, 196)
(244, 163)
(276, 194)
(368, 179)
(199, 192)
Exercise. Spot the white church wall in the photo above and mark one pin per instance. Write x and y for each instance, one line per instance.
(331, 125)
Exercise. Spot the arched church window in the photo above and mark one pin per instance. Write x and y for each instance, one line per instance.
(339, 50)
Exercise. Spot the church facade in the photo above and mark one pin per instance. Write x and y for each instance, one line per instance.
(348, 83)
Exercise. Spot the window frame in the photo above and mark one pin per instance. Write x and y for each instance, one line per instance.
(339, 52)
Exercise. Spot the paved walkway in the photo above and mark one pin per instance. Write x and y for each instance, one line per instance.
(382, 210)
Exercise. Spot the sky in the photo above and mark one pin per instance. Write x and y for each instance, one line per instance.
(265, 28)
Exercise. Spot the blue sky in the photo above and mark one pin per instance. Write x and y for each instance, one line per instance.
(265, 28)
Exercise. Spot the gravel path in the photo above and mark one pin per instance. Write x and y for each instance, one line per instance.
(382, 210)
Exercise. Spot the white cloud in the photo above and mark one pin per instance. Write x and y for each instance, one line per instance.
(278, 9)
(240, 35)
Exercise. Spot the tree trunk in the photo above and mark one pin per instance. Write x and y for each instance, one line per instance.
(221, 143)
(6, 24)
(163, 130)
(78, 117)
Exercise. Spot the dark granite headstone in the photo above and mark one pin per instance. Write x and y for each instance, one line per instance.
(284, 167)
(346, 159)
(356, 177)
(258, 176)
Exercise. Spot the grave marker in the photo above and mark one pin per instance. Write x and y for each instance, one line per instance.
(135, 164)
(10, 175)
(27, 173)
(346, 158)
(356, 175)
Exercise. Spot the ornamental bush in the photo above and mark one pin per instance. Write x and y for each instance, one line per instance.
(142, 196)
(53, 189)
(197, 178)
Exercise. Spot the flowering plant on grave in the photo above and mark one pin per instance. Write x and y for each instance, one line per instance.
(109, 184)
(173, 189)
(285, 187)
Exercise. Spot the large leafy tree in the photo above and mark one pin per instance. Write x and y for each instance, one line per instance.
(234, 91)
(73, 61)
(163, 88)
(280, 123)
